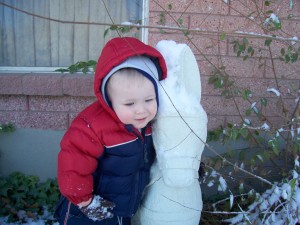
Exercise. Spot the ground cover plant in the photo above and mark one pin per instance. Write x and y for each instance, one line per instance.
(24, 197)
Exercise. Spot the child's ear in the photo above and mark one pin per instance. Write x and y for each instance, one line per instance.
(188, 73)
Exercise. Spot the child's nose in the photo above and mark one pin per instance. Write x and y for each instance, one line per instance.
(140, 109)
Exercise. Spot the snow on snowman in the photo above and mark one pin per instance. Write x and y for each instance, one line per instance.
(179, 134)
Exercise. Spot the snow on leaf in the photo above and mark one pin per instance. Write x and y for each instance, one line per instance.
(297, 161)
(222, 184)
(275, 91)
(253, 104)
(210, 184)
(247, 121)
(265, 126)
(231, 198)
(295, 39)
(260, 157)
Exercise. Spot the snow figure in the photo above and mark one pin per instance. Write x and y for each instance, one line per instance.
(173, 196)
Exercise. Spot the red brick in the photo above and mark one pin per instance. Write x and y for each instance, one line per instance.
(13, 102)
(169, 20)
(283, 70)
(155, 37)
(200, 22)
(59, 104)
(245, 7)
(287, 88)
(38, 120)
(258, 87)
(218, 105)
(72, 116)
(199, 44)
(273, 122)
(236, 24)
(239, 68)
(207, 45)
(238, 121)
(42, 84)
(215, 122)
(258, 44)
(191, 6)
(11, 83)
(282, 8)
(206, 66)
(78, 84)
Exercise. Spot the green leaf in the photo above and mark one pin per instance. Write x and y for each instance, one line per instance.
(267, 3)
(248, 112)
(250, 49)
(242, 155)
(235, 133)
(230, 125)
(222, 36)
(244, 132)
(106, 32)
(274, 144)
(293, 183)
(246, 94)
(260, 157)
(236, 91)
(62, 70)
(226, 93)
(180, 21)
(287, 58)
(282, 51)
(245, 41)
(113, 27)
(268, 42)
(294, 57)
(264, 101)
(242, 47)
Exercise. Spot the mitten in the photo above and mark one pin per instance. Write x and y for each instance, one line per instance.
(98, 209)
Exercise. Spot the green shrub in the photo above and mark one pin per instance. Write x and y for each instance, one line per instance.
(22, 192)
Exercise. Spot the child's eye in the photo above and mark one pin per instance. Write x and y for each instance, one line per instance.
(149, 100)
(129, 104)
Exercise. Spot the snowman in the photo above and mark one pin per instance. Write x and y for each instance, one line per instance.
(173, 196)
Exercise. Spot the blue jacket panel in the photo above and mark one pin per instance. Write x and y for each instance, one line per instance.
(123, 172)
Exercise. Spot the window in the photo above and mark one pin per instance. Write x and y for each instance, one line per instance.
(58, 33)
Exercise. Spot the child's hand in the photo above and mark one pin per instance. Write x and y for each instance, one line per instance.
(98, 209)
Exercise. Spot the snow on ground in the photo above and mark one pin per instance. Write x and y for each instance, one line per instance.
(29, 222)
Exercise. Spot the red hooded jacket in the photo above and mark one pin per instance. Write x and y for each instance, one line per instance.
(89, 163)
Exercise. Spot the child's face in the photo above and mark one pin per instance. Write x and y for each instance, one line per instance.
(134, 101)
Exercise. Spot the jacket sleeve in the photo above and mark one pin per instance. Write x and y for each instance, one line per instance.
(77, 161)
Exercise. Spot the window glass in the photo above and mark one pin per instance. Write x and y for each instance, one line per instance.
(58, 33)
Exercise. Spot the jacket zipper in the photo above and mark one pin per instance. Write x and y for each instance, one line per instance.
(137, 191)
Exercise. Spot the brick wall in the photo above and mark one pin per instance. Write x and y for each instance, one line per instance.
(207, 20)
(44, 101)
(50, 101)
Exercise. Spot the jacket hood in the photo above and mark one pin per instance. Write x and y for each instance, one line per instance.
(116, 51)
